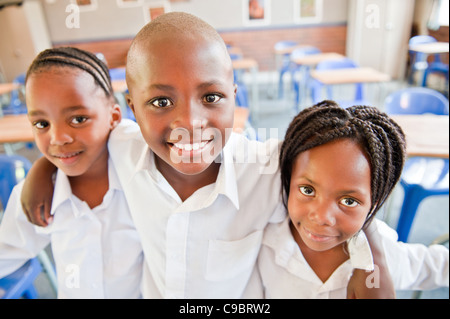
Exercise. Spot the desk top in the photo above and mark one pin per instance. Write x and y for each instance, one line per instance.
(15, 128)
(244, 63)
(119, 86)
(313, 59)
(426, 135)
(430, 48)
(351, 75)
(8, 87)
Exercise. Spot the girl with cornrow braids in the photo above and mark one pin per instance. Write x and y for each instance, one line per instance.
(95, 245)
(338, 166)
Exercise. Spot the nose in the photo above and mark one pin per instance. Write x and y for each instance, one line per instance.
(324, 213)
(60, 135)
(190, 116)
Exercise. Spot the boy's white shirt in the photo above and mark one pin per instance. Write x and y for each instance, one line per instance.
(286, 274)
(206, 246)
(97, 251)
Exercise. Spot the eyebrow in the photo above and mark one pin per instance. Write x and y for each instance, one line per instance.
(204, 85)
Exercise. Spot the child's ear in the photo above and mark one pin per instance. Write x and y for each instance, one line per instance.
(130, 103)
(116, 115)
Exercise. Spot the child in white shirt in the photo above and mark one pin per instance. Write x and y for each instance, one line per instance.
(199, 195)
(338, 166)
(95, 245)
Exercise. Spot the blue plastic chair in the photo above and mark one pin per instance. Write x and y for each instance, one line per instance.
(20, 283)
(303, 69)
(242, 91)
(316, 86)
(285, 62)
(118, 74)
(422, 176)
(419, 61)
(17, 104)
(13, 169)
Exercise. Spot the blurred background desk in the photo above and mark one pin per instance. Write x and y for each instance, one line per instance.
(6, 88)
(252, 66)
(426, 135)
(346, 76)
(15, 128)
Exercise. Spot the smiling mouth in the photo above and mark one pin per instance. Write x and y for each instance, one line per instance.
(317, 237)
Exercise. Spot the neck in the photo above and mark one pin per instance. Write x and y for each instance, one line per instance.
(92, 186)
(185, 185)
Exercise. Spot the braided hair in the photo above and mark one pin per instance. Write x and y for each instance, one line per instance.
(381, 138)
(76, 58)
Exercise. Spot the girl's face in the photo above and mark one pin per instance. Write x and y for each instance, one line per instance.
(330, 194)
(71, 119)
(182, 95)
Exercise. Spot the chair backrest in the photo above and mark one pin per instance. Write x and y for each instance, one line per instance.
(117, 74)
(332, 64)
(13, 169)
(281, 45)
(421, 39)
(17, 103)
(336, 64)
(416, 100)
(302, 51)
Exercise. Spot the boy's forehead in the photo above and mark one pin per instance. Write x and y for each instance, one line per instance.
(167, 48)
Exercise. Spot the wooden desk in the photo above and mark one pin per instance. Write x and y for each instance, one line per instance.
(119, 86)
(352, 75)
(313, 59)
(8, 87)
(430, 48)
(426, 135)
(15, 128)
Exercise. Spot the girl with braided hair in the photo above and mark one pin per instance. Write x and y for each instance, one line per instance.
(338, 166)
(95, 245)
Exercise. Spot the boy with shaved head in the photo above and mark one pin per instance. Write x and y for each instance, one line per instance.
(200, 195)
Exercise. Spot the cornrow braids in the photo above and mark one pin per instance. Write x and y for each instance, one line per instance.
(382, 139)
(77, 58)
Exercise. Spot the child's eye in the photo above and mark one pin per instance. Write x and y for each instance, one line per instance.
(40, 124)
(161, 102)
(212, 98)
(349, 202)
(306, 190)
(79, 119)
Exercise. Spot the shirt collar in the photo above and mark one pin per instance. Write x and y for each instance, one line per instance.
(360, 253)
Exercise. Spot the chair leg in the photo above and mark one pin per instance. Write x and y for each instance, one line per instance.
(410, 205)
(30, 293)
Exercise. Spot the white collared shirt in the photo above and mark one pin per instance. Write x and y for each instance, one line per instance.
(206, 246)
(286, 274)
(97, 251)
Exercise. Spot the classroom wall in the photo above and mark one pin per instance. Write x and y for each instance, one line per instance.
(109, 29)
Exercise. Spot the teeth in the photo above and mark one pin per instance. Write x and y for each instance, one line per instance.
(190, 147)
(67, 156)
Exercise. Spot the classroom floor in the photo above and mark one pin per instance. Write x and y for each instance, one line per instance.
(432, 219)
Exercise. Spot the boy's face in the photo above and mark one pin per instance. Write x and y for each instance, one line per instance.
(71, 119)
(330, 194)
(182, 94)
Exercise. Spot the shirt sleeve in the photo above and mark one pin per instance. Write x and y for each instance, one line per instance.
(414, 266)
(19, 240)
